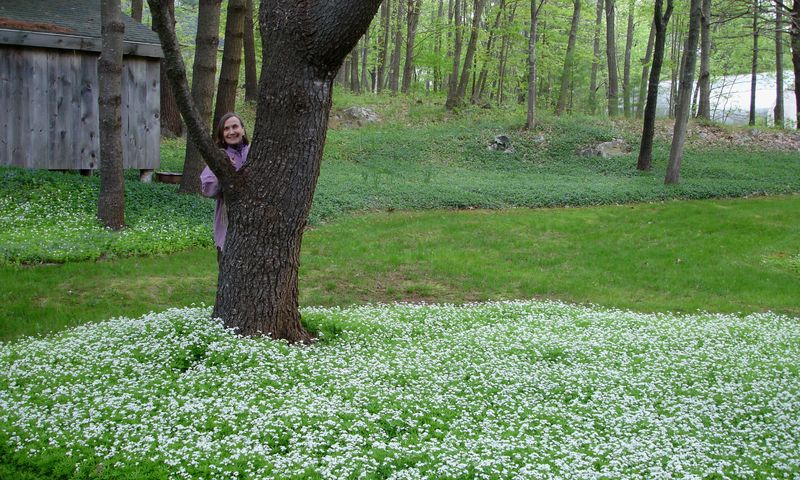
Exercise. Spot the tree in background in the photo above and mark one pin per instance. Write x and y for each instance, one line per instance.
(530, 121)
(598, 25)
(779, 105)
(569, 60)
(704, 82)
(611, 56)
(250, 73)
(111, 199)
(626, 77)
(754, 68)
(170, 116)
(414, 9)
(204, 72)
(452, 88)
(684, 95)
(268, 200)
(136, 10)
(648, 58)
(660, 23)
(231, 60)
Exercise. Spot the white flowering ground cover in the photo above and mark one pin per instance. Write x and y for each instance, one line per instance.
(495, 390)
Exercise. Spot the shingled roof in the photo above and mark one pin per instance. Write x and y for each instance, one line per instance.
(76, 23)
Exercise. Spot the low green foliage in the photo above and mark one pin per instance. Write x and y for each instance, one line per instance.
(498, 390)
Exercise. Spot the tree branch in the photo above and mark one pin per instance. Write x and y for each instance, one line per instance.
(176, 70)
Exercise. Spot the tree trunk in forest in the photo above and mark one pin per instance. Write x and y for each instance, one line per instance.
(569, 60)
(231, 60)
(414, 9)
(648, 56)
(452, 89)
(626, 77)
(778, 111)
(754, 66)
(355, 78)
(611, 55)
(660, 22)
(684, 95)
(384, 49)
(437, 48)
(596, 58)
(269, 198)
(111, 198)
(795, 42)
(250, 73)
(477, 93)
(394, 71)
(170, 116)
(469, 58)
(137, 7)
(204, 71)
(504, 48)
(704, 83)
(530, 121)
(364, 61)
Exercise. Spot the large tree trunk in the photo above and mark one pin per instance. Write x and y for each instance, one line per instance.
(595, 57)
(704, 83)
(170, 116)
(268, 199)
(611, 55)
(111, 200)
(684, 95)
(204, 71)
(779, 112)
(394, 71)
(660, 23)
(414, 8)
(386, 26)
(569, 60)
(250, 73)
(137, 6)
(754, 66)
(452, 89)
(530, 121)
(626, 77)
(231, 60)
(648, 57)
(477, 15)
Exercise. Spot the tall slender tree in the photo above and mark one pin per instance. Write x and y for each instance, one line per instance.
(569, 60)
(394, 70)
(250, 70)
(137, 6)
(611, 56)
(414, 10)
(779, 105)
(452, 89)
(754, 65)
(204, 72)
(111, 199)
(469, 57)
(684, 95)
(386, 10)
(268, 200)
(794, 16)
(648, 57)
(704, 82)
(231, 59)
(536, 9)
(626, 77)
(660, 22)
(598, 25)
(170, 116)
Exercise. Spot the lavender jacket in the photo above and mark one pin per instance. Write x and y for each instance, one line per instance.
(209, 186)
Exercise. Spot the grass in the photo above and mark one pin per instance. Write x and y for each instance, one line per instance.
(716, 255)
(499, 390)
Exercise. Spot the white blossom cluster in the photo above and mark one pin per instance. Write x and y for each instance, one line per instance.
(538, 390)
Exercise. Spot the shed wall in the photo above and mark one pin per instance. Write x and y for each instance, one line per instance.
(50, 109)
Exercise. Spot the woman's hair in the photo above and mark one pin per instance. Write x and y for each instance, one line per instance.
(220, 136)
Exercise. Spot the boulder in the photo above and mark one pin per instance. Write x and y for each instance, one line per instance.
(501, 143)
(614, 148)
(354, 117)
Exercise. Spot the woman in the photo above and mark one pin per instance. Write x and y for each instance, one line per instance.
(232, 138)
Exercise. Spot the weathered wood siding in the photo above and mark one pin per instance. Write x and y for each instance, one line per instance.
(49, 106)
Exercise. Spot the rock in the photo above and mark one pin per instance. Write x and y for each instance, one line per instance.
(539, 138)
(355, 116)
(614, 148)
(501, 143)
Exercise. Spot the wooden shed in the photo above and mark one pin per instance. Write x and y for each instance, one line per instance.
(49, 91)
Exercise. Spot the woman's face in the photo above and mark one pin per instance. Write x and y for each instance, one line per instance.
(232, 131)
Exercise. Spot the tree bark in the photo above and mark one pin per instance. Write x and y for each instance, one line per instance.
(626, 77)
(660, 23)
(204, 71)
(779, 112)
(386, 26)
(111, 199)
(611, 55)
(595, 58)
(170, 116)
(394, 71)
(569, 60)
(268, 199)
(355, 78)
(684, 95)
(137, 6)
(648, 57)
(469, 58)
(704, 84)
(452, 89)
(231, 60)
(250, 73)
(414, 9)
(364, 61)
(754, 67)
(530, 121)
